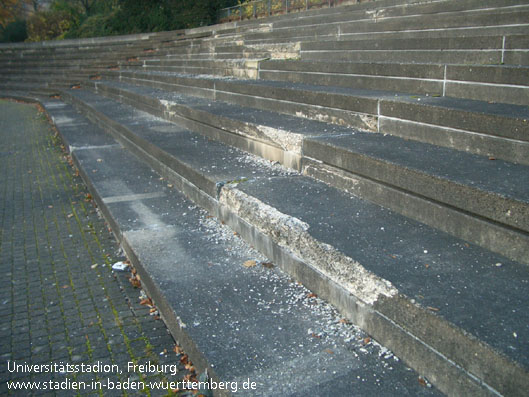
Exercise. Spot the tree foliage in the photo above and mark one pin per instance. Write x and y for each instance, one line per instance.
(91, 18)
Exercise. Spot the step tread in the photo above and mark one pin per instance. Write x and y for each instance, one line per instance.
(261, 317)
(460, 276)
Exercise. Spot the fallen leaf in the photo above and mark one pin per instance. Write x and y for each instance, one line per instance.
(344, 321)
(426, 265)
(312, 295)
(75, 87)
(492, 158)
(177, 349)
(328, 351)
(422, 382)
(146, 301)
(135, 282)
(250, 263)
(367, 340)
(433, 309)
(268, 265)
(315, 336)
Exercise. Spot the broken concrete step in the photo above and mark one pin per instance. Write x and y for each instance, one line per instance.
(496, 190)
(497, 84)
(274, 136)
(183, 152)
(236, 321)
(476, 199)
(285, 216)
(242, 68)
(496, 130)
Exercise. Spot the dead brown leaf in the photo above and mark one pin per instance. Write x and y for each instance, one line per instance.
(250, 263)
(433, 309)
(146, 301)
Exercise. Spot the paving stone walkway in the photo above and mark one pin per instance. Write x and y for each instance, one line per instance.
(62, 308)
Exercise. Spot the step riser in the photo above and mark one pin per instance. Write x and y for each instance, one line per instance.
(477, 143)
(415, 86)
(457, 57)
(383, 318)
(426, 34)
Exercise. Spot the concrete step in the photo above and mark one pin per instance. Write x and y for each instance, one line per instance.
(484, 22)
(190, 263)
(489, 207)
(380, 12)
(453, 50)
(492, 130)
(499, 83)
(243, 68)
(305, 224)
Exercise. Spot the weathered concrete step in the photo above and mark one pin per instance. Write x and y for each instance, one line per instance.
(496, 192)
(443, 21)
(242, 68)
(294, 218)
(273, 136)
(496, 130)
(476, 199)
(508, 42)
(468, 57)
(493, 83)
(440, 22)
(379, 12)
(506, 49)
(235, 321)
